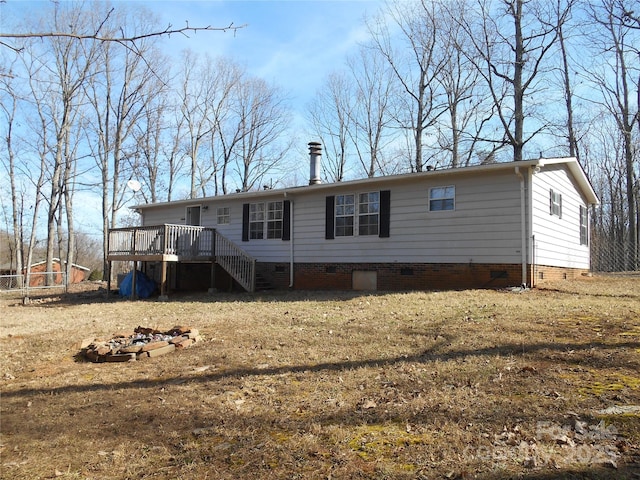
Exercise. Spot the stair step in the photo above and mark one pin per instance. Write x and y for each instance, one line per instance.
(262, 283)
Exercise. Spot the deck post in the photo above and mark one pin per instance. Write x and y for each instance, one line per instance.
(135, 268)
(133, 281)
(108, 277)
(163, 282)
(212, 281)
(165, 237)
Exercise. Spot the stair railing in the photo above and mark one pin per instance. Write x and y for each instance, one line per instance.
(238, 263)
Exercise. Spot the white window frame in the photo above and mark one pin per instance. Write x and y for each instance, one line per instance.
(555, 203)
(223, 216)
(351, 212)
(274, 219)
(256, 221)
(368, 208)
(448, 193)
(584, 225)
(344, 210)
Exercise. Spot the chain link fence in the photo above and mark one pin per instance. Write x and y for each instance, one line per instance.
(37, 281)
(613, 256)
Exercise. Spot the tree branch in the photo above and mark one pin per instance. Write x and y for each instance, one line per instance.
(186, 30)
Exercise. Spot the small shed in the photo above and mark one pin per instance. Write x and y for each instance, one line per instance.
(38, 270)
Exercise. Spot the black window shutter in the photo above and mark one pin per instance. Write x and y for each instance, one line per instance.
(286, 220)
(329, 219)
(385, 213)
(245, 222)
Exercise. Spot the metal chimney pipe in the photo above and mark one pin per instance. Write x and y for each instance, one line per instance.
(315, 153)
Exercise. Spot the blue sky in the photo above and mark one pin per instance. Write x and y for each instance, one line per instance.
(293, 44)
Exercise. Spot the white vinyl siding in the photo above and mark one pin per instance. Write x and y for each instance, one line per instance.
(484, 228)
(556, 238)
(174, 214)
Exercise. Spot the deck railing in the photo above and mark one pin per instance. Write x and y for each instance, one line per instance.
(184, 241)
(180, 240)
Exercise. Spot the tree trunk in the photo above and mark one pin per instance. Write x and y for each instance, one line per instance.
(518, 89)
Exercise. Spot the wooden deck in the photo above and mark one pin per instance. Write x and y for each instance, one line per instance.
(181, 243)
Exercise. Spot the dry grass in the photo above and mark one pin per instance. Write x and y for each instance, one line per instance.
(470, 384)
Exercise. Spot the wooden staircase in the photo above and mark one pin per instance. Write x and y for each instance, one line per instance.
(236, 262)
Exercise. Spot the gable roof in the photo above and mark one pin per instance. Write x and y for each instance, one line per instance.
(572, 164)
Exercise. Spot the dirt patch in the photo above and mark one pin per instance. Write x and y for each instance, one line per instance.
(470, 384)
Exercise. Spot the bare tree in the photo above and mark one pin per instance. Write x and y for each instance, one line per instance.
(118, 94)
(172, 150)
(150, 160)
(59, 54)
(415, 66)
(330, 113)
(567, 88)
(38, 129)
(373, 110)
(223, 137)
(461, 129)
(196, 95)
(66, 65)
(261, 119)
(510, 42)
(616, 39)
(9, 99)
(128, 41)
(604, 149)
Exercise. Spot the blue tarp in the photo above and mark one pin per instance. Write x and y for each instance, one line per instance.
(144, 285)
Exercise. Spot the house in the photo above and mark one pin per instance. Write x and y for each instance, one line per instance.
(485, 226)
(37, 273)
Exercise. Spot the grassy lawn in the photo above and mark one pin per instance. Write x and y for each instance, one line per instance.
(470, 384)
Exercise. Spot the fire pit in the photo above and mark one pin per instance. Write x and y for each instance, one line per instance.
(138, 344)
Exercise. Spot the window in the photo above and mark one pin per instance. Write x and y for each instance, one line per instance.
(256, 220)
(368, 213)
(345, 210)
(373, 216)
(222, 215)
(555, 203)
(274, 220)
(442, 198)
(584, 225)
